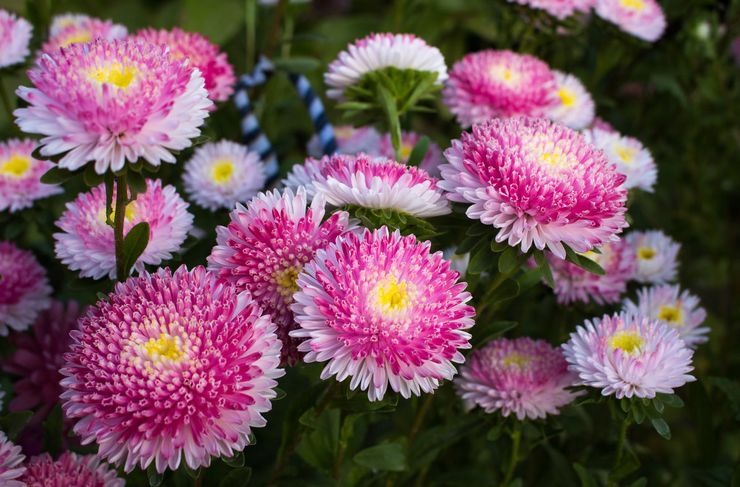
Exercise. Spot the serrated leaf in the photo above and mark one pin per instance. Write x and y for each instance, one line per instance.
(390, 457)
(419, 151)
(661, 427)
(134, 245)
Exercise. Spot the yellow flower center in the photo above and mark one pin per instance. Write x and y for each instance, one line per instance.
(16, 166)
(646, 253)
(567, 97)
(671, 314)
(392, 295)
(626, 154)
(164, 348)
(405, 151)
(286, 280)
(130, 213)
(633, 4)
(79, 37)
(504, 75)
(627, 341)
(116, 74)
(222, 171)
(517, 359)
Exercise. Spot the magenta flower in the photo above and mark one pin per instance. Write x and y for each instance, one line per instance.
(11, 463)
(188, 369)
(381, 309)
(70, 470)
(266, 245)
(15, 35)
(70, 29)
(20, 176)
(538, 182)
(643, 19)
(24, 288)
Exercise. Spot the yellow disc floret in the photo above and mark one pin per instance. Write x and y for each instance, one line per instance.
(286, 280)
(16, 166)
(627, 341)
(517, 359)
(633, 4)
(646, 253)
(164, 348)
(671, 314)
(392, 295)
(222, 171)
(116, 74)
(567, 97)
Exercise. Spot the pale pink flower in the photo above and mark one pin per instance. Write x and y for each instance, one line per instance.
(15, 36)
(20, 176)
(643, 19)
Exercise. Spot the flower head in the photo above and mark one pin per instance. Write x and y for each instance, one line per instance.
(265, 247)
(537, 182)
(628, 356)
(15, 35)
(379, 51)
(491, 84)
(431, 161)
(676, 308)
(38, 357)
(573, 283)
(558, 8)
(11, 463)
(573, 106)
(657, 256)
(81, 29)
(24, 288)
(629, 155)
(20, 176)
(189, 365)
(86, 242)
(643, 19)
(222, 174)
(70, 470)
(526, 377)
(381, 309)
(350, 140)
(112, 102)
(202, 54)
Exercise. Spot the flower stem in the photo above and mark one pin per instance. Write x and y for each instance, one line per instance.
(272, 39)
(516, 439)
(118, 220)
(250, 11)
(621, 440)
(419, 420)
(6, 101)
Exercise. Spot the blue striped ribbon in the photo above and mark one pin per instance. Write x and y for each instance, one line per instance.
(317, 113)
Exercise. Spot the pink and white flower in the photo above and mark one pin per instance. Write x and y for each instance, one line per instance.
(70, 470)
(24, 288)
(629, 155)
(81, 29)
(15, 36)
(643, 19)
(573, 106)
(657, 256)
(11, 463)
(561, 9)
(20, 176)
(431, 161)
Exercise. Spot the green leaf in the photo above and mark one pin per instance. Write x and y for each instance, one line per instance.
(319, 447)
(155, 478)
(419, 151)
(661, 427)
(57, 175)
(238, 477)
(583, 262)
(297, 64)
(509, 289)
(481, 259)
(671, 400)
(485, 332)
(235, 461)
(587, 479)
(385, 457)
(134, 245)
(508, 261)
(91, 177)
(731, 389)
(544, 266)
(499, 246)
(218, 24)
(13, 423)
(136, 184)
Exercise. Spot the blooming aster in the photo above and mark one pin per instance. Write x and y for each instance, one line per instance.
(221, 174)
(20, 176)
(350, 140)
(431, 161)
(678, 309)
(526, 377)
(629, 155)
(113, 101)
(629, 355)
(381, 309)
(204, 55)
(70, 470)
(558, 8)
(265, 247)
(538, 182)
(81, 30)
(189, 365)
(24, 288)
(657, 256)
(643, 19)
(573, 105)
(87, 244)
(62, 21)
(15, 35)
(38, 357)
(379, 51)
(11, 463)
(491, 84)
(573, 283)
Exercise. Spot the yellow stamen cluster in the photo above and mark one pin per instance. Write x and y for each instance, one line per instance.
(671, 314)
(517, 359)
(164, 348)
(116, 74)
(627, 341)
(222, 171)
(392, 295)
(16, 166)
(633, 4)
(567, 97)
(646, 253)
(286, 281)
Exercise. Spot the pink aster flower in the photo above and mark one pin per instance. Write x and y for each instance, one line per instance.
(38, 357)
(379, 51)
(81, 30)
(601, 124)
(265, 247)
(11, 463)
(526, 377)
(86, 242)
(573, 283)
(628, 356)
(204, 55)
(15, 35)
(20, 176)
(113, 101)
(188, 369)
(70, 470)
(381, 309)
(537, 182)
(657, 256)
(350, 140)
(24, 288)
(629, 155)
(643, 19)
(491, 84)
(558, 8)
(377, 183)
(431, 161)
(221, 174)
(61, 22)
(679, 309)
(573, 106)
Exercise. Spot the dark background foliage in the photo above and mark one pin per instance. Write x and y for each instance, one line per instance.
(679, 96)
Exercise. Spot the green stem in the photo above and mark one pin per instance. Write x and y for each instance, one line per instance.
(497, 281)
(6, 101)
(419, 420)
(287, 36)
(621, 440)
(275, 29)
(250, 11)
(516, 439)
(198, 481)
(118, 221)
